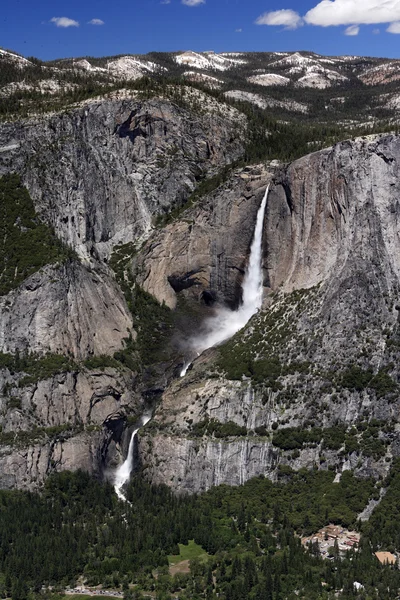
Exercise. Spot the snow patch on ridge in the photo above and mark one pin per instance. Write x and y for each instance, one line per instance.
(207, 60)
(266, 102)
(268, 79)
(21, 61)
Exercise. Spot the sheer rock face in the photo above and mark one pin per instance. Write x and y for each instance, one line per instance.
(97, 173)
(204, 253)
(70, 421)
(191, 464)
(27, 467)
(334, 211)
(173, 453)
(100, 172)
(333, 220)
(65, 310)
(332, 228)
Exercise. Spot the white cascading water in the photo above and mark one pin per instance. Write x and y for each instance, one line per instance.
(217, 329)
(226, 323)
(123, 472)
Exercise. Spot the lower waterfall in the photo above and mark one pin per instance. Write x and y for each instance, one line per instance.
(123, 472)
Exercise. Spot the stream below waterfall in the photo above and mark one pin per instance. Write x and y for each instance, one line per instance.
(217, 329)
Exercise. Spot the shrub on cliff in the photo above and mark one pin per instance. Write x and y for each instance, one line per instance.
(26, 243)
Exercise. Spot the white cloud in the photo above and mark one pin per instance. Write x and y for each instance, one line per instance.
(352, 30)
(238, 30)
(350, 12)
(394, 27)
(335, 12)
(165, 2)
(193, 2)
(64, 22)
(96, 22)
(286, 17)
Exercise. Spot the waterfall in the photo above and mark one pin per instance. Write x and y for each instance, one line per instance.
(123, 472)
(217, 329)
(226, 323)
(185, 368)
(253, 279)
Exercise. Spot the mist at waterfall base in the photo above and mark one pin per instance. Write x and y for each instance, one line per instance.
(123, 472)
(225, 323)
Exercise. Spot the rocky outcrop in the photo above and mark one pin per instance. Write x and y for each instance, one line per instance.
(203, 254)
(323, 354)
(27, 467)
(72, 421)
(99, 172)
(85, 397)
(65, 309)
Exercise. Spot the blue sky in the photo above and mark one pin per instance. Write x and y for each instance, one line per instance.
(60, 28)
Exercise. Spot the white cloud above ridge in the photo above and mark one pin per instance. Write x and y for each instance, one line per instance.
(352, 30)
(96, 22)
(328, 13)
(287, 17)
(193, 2)
(64, 22)
(394, 27)
(353, 12)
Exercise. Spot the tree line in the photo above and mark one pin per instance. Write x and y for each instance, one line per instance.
(249, 536)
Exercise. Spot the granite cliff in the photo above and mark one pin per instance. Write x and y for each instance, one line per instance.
(101, 171)
(312, 381)
(98, 174)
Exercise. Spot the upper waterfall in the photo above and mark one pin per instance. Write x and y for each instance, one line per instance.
(226, 323)
(253, 280)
